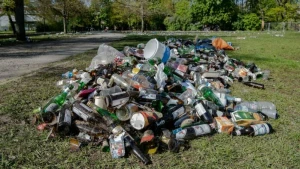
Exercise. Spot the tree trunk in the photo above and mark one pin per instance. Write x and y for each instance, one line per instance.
(19, 15)
(262, 21)
(65, 18)
(65, 24)
(142, 17)
(11, 24)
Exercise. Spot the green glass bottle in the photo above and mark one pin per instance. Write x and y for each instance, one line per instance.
(208, 94)
(157, 105)
(106, 115)
(54, 103)
(168, 70)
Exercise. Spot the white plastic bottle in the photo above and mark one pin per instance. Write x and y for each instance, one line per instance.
(267, 108)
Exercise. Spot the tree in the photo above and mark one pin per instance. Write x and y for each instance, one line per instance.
(100, 11)
(8, 7)
(214, 12)
(20, 22)
(16, 8)
(67, 9)
(141, 8)
(182, 18)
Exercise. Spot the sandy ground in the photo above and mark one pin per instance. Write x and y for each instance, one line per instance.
(16, 61)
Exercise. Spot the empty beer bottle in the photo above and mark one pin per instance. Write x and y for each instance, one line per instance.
(172, 114)
(106, 115)
(254, 130)
(202, 112)
(136, 151)
(208, 94)
(54, 103)
(193, 131)
(64, 120)
(84, 112)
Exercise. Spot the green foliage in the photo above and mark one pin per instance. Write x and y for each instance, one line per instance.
(49, 26)
(251, 22)
(214, 12)
(182, 18)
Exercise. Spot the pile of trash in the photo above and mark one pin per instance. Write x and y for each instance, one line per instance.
(155, 97)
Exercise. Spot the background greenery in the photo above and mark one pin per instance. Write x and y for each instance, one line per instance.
(79, 15)
(22, 146)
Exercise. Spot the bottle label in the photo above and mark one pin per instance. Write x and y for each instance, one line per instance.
(200, 109)
(179, 112)
(80, 113)
(181, 134)
(117, 146)
(202, 129)
(68, 117)
(180, 73)
(150, 96)
(260, 129)
(51, 108)
(86, 107)
(118, 98)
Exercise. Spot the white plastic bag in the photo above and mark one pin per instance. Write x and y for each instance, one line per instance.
(160, 76)
(105, 55)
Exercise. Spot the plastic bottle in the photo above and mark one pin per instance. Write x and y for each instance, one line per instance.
(254, 130)
(119, 80)
(266, 108)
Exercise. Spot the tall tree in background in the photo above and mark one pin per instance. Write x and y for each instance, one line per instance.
(214, 12)
(67, 9)
(141, 8)
(8, 6)
(20, 21)
(100, 10)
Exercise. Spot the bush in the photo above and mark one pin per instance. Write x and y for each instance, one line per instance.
(49, 27)
(247, 22)
(251, 22)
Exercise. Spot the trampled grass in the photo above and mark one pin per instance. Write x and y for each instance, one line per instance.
(22, 146)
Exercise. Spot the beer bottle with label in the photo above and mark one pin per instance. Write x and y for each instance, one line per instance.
(193, 131)
(172, 114)
(202, 112)
(84, 112)
(64, 120)
(117, 99)
(54, 103)
(105, 114)
(254, 130)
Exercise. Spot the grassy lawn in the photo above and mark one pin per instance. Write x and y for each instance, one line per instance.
(22, 146)
(10, 40)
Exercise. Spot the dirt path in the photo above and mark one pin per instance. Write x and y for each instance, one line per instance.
(22, 59)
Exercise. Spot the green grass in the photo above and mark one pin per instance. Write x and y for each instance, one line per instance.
(10, 40)
(22, 146)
